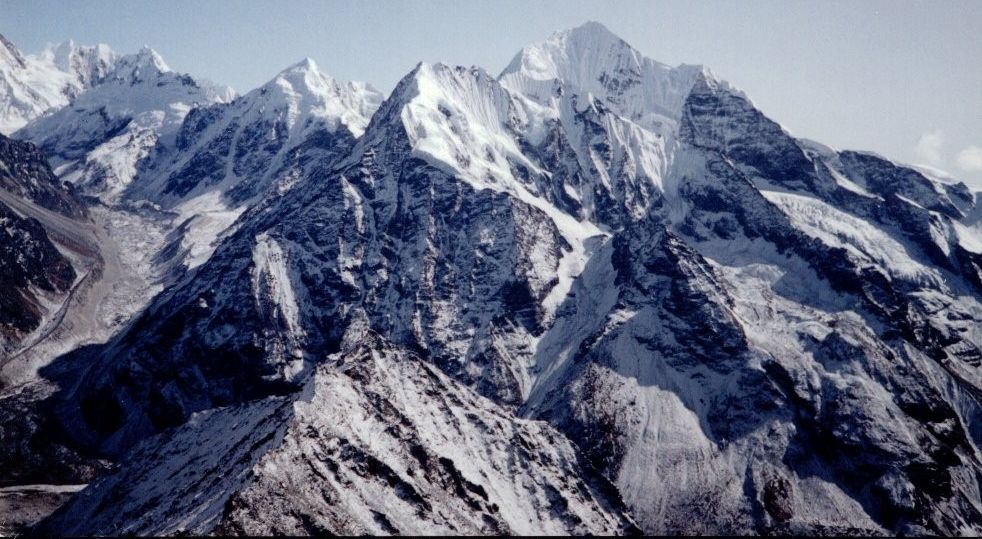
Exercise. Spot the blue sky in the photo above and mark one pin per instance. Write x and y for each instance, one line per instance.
(902, 78)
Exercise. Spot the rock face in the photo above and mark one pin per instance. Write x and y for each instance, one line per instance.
(29, 265)
(377, 441)
(33, 272)
(503, 305)
(26, 175)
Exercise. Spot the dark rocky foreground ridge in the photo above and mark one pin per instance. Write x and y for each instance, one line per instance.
(594, 294)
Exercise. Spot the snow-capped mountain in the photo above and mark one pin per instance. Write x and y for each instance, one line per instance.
(31, 85)
(593, 292)
(239, 148)
(98, 141)
(229, 156)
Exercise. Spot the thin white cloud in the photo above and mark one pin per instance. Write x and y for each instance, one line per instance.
(928, 147)
(970, 159)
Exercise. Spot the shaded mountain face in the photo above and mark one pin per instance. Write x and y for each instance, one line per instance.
(33, 272)
(30, 265)
(25, 174)
(740, 331)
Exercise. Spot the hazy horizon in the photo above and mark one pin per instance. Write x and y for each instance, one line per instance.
(903, 79)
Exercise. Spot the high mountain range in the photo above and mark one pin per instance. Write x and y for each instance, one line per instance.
(591, 294)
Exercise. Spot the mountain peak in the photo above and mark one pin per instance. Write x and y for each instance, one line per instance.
(590, 60)
(303, 76)
(306, 91)
(148, 56)
(585, 47)
(593, 31)
(145, 61)
(64, 47)
(10, 54)
(307, 64)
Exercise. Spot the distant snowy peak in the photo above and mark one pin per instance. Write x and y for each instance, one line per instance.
(88, 64)
(143, 65)
(273, 119)
(590, 60)
(228, 155)
(140, 88)
(305, 91)
(33, 85)
(98, 140)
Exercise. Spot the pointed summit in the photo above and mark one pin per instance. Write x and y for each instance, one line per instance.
(592, 27)
(302, 96)
(575, 53)
(307, 64)
(302, 77)
(590, 60)
(594, 33)
(63, 50)
(147, 57)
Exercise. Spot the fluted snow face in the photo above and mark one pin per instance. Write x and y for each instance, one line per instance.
(463, 119)
(591, 61)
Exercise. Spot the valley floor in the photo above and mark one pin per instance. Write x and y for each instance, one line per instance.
(114, 283)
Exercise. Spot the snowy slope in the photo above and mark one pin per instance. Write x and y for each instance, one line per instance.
(98, 141)
(377, 441)
(32, 85)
